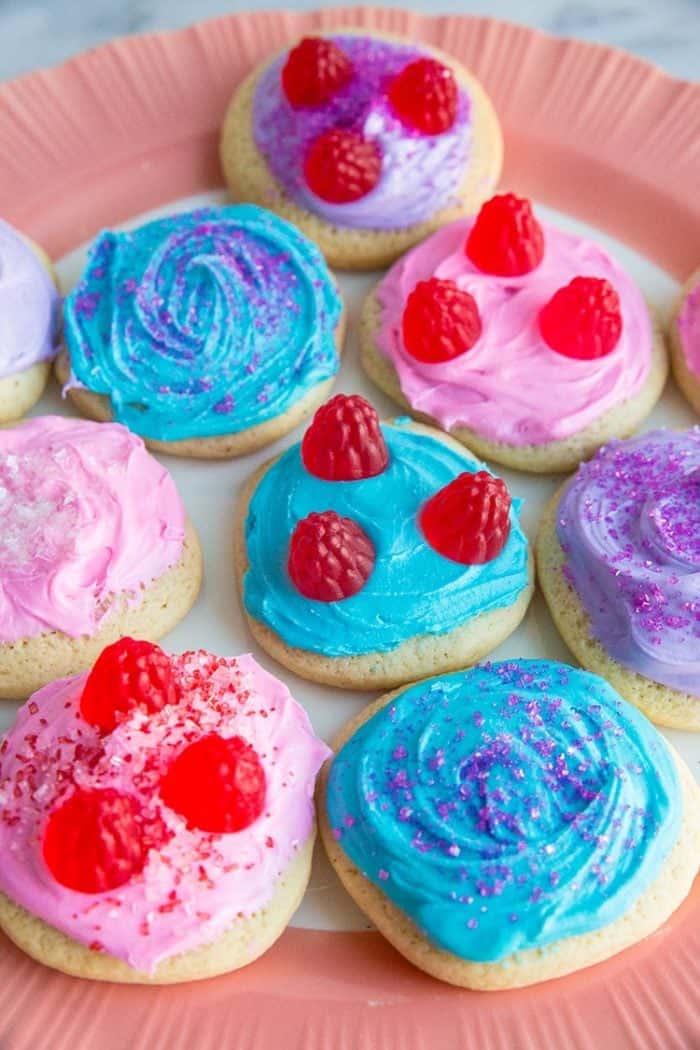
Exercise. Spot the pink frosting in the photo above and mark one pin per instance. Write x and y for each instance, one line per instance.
(689, 328)
(511, 387)
(192, 889)
(85, 513)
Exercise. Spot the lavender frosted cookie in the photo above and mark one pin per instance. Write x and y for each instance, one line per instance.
(208, 334)
(618, 555)
(368, 143)
(29, 321)
(684, 339)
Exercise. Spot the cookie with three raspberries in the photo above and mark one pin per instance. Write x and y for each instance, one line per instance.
(529, 344)
(366, 142)
(158, 818)
(371, 554)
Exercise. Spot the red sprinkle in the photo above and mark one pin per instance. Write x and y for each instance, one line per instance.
(216, 784)
(424, 96)
(468, 520)
(314, 71)
(342, 166)
(440, 321)
(506, 239)
(582, 319)
(330, 558)
(344, 441)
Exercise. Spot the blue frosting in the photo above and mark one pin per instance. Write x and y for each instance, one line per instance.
(507, 807)
(412, 590)
(203, 324)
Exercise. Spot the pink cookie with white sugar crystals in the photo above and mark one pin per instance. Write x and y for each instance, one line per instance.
(157, 817)
(94, 544)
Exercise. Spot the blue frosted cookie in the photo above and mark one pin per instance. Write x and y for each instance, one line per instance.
(510, 823)
(209, 333)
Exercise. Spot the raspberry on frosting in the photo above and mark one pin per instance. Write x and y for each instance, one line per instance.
(506, 239)
(583, 319)
(127, 675)
(424, 96)
(330, 558)
(342, 166)
(440, 321)
(216, 784)
(468, 520)
(315, 69)
(344, 441)
(99, 839)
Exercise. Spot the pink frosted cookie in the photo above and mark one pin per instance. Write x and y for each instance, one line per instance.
(529, 344)
(94, 544)
(684, 335)
(157, 817)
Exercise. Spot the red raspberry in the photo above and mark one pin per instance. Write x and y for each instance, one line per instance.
(582, 319)
(217, 785)
(424, 96)
(468, 521)
(344, 441)
(439, 321)
(330, 558)
(98, 840)
(342, 166)
(315, 69)
(506, 238)
(127, 675)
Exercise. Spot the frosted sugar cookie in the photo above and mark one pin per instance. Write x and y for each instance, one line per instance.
(158, 820)
(29, 322)
(366, 142)
(369, 555)
(209, 333)
(509, 824)
(684, 336)
(94, 544)
(619, 565)
(529, 344)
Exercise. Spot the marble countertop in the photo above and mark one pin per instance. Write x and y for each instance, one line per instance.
(35, 34)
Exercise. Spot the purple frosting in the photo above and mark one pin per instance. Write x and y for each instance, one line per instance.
(421, 174)
(29, 306)
(629, 524)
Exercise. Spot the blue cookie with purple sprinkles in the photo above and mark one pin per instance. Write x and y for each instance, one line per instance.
(510, 823)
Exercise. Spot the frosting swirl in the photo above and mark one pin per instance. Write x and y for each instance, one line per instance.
(29, 306)
(390, 608)
(689, 329)
(510, 386)
(507, 807)
(85, 514)
(421, 174)
(629, 524)
(192, 889)
(203, 324)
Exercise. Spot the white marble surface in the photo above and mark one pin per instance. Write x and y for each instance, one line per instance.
(35, 34)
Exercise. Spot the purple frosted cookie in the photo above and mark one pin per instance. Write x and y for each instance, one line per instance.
(618, 556)
(367, 143)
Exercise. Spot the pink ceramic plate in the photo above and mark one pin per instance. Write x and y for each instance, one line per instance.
(589, 131)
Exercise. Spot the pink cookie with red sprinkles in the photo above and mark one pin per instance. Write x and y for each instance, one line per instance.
(364, 141)
(157, 817)
(372, 554)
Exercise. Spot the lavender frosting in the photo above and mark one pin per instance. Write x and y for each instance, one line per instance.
(29, 305)
(629, 524)
(421, 174)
